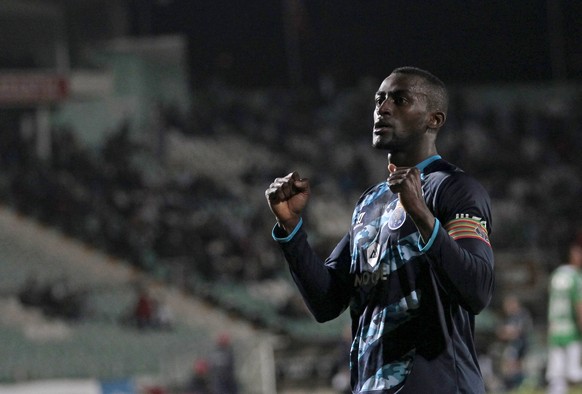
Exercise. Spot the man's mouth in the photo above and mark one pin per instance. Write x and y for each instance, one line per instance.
(380, 127)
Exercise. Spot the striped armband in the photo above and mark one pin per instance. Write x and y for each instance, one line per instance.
(468, 227)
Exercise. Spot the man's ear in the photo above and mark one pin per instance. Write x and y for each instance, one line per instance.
(437, 120)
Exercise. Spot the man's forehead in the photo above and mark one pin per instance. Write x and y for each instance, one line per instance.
(402, 82)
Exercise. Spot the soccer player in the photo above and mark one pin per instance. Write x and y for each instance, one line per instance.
(565, 323)
(415, 265)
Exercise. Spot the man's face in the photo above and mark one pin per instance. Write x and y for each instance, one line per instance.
(401, 115)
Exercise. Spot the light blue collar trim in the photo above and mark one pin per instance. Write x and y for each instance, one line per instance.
(423, 164)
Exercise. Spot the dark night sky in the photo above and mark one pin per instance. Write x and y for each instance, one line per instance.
(461, 41)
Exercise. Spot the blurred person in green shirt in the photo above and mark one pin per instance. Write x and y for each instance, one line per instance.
(565, 323)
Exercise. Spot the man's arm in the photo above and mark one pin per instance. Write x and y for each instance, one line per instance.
(466, 265)
(461, 251)
(463, 262)
(320, 283)
(324, 285)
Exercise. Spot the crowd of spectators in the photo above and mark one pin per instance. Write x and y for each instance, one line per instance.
(128, 198)
(55, 298)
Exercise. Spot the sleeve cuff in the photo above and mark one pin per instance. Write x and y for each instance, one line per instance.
(425, 247)
(288, 237)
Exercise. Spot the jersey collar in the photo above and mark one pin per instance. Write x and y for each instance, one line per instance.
(425, 163)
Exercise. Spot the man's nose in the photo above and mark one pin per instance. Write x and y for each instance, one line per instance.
(385, 107)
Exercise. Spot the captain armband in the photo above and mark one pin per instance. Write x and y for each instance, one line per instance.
(464, 226)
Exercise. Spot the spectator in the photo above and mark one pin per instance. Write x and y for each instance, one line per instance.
(164, 315)
(31, 293)
(514, 333)
(199, 383)
(143, 312)
(223, 373)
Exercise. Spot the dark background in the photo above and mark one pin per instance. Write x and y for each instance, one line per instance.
(248, 42)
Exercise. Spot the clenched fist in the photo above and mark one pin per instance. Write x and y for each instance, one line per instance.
(407, 183)
(287, 197)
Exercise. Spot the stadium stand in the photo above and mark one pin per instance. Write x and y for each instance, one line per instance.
(95, 343)
(192, 215)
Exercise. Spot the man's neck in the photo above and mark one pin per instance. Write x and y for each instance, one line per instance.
(406, 160)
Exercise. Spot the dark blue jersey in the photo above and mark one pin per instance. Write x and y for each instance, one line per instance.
(412, 301)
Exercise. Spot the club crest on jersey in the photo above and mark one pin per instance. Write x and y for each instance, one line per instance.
(396, 215)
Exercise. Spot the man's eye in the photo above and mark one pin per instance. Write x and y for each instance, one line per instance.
(400, 100)
(379, 100)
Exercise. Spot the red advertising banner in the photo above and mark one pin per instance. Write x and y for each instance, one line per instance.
(32, 88)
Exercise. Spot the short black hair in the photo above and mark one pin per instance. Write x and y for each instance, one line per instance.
(438, 97)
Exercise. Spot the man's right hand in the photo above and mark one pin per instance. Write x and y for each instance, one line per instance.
(287, 197)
